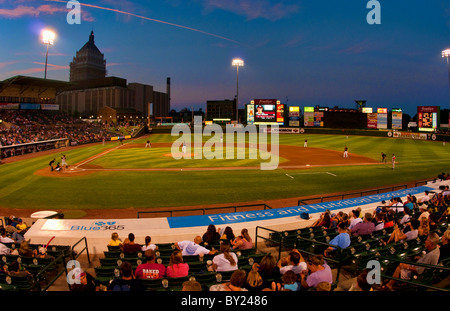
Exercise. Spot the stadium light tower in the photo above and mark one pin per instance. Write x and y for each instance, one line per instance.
(446, 54)
(48, 37)
(237, 62)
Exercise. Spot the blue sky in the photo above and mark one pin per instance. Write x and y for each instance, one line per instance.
(304, 53)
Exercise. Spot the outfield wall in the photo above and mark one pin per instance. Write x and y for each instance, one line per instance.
(173, 229)
(338, 131)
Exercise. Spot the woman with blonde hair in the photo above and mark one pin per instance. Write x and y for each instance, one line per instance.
(115, 240)
(177, 267)
(226, 260)
(244, 241)
(254, 280)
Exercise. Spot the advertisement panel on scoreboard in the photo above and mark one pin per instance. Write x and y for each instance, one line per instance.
(397, 119)
(382, 118)
(372, 120)
(427, 118)
(265, 110)
(280, 113)
(294, 116)
(308, 116)
(250, 114)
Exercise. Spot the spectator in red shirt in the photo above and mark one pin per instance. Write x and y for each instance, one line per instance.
(131, 246)
(150, 269)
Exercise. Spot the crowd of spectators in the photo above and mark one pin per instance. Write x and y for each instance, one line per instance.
(294, 272)
(28, 126)
(408, 220)
(32, 126)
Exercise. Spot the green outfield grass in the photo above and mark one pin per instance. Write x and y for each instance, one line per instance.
(20, 187)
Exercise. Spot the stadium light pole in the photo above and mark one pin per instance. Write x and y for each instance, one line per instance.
(237, 62)
(446, 54)
(48, 37)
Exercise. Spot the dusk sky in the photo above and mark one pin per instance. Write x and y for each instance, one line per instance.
(304, 53)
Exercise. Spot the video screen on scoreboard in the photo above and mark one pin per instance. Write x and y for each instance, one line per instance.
(265, 111)
(427, 117)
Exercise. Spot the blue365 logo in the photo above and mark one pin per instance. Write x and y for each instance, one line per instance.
(99, 225)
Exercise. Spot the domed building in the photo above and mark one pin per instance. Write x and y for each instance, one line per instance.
(92, 92)
(89, 62)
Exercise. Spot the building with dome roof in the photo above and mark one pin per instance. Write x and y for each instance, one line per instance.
(92, 91)
(89, 62)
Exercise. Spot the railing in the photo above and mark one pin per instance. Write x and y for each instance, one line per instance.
(364, 192)
(204, 210)
(51, 265)
(411, 282)
(74, 257)
(352, 194)
(278, 241)
(20, 149)
(338, 263)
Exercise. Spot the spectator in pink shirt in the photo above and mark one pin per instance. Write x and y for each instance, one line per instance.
(177, 267)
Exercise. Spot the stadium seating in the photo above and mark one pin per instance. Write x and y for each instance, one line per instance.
(198, 270)
(41, 269)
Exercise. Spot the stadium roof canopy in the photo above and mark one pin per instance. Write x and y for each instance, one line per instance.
(23, 86)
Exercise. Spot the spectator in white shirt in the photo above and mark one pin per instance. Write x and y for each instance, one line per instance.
(226, 260)
(4, 238)
(189, 248)
(355, 219)
(294, 261)
(425, 198)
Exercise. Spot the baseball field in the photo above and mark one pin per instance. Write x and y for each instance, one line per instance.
(131, 177)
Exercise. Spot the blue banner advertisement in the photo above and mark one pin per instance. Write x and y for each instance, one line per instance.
(230, 218)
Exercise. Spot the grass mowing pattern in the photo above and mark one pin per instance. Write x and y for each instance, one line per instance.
(20, 188)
